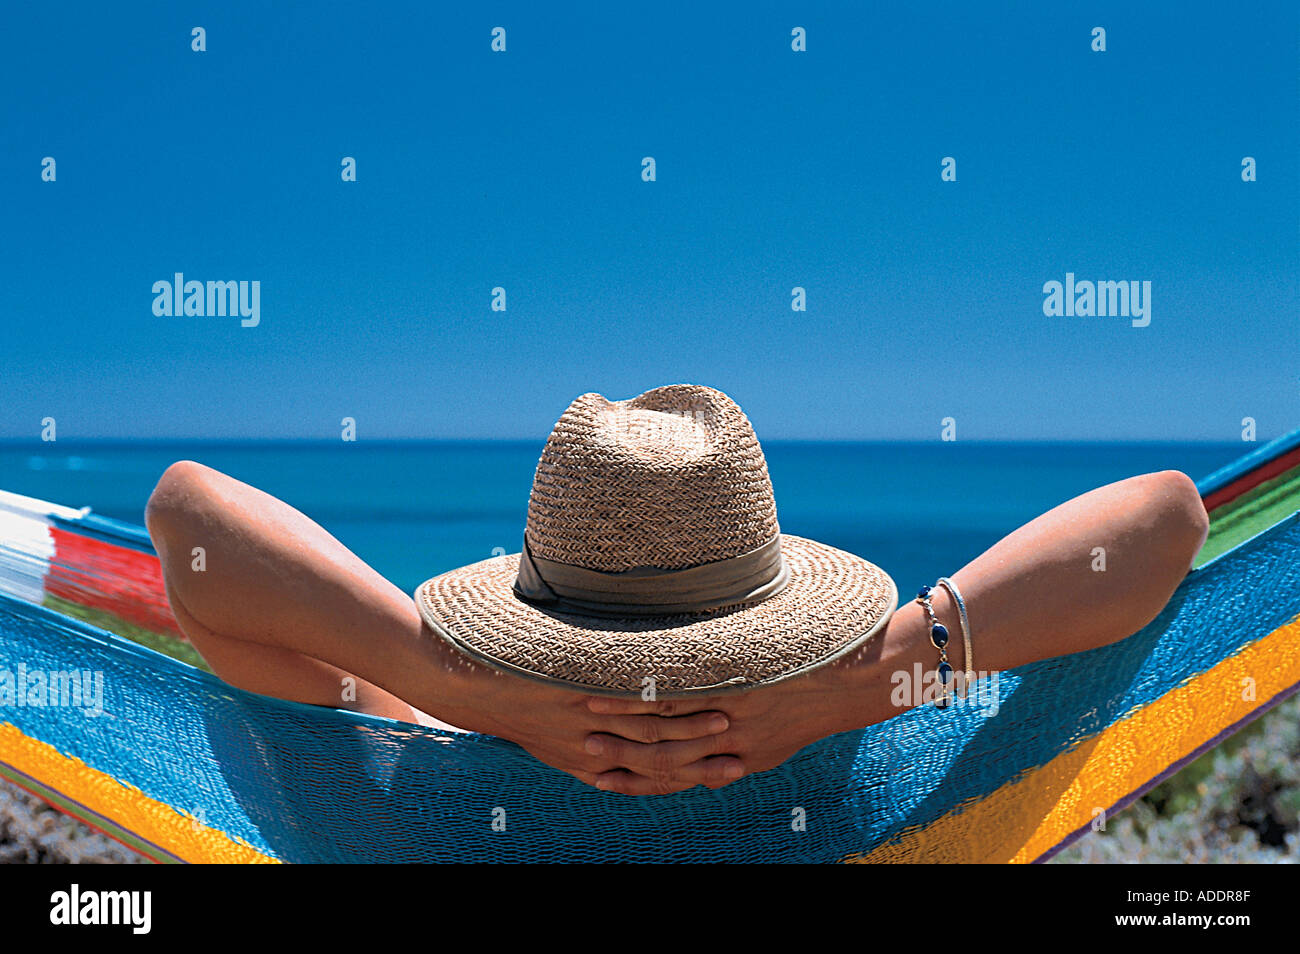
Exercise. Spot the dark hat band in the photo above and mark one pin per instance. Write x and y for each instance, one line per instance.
(650, 591)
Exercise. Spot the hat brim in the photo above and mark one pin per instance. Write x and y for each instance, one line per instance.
(833, 604)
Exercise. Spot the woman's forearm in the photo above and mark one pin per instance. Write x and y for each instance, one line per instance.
(1087, 573)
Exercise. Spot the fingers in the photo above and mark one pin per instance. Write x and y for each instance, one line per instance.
(624, 782)
(659, 747)
(713, 772)
(662, 761)
(643, 755)
(653, 728)
(616, 705)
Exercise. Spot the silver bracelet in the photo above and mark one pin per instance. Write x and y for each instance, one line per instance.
(951, 587)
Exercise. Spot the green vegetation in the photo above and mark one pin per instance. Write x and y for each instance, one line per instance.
(160, 642)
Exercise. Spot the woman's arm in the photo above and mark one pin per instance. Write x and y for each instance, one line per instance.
(1090, 572)
(1037, 593)
(280, 607)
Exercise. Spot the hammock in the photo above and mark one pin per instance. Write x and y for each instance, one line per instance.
(182, 767)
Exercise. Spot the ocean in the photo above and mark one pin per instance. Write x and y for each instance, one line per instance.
(414, 509)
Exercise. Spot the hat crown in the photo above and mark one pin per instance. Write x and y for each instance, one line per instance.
(674, 478)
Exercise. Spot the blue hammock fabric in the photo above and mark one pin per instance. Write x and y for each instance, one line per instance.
(304, 784)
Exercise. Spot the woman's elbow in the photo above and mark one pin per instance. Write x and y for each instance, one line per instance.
(1173, 525)
(176, 499)
(1180, 521)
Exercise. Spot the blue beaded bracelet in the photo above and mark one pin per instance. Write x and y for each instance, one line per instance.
(939, 637)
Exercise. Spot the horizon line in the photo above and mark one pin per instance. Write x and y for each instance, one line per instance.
(36, 443)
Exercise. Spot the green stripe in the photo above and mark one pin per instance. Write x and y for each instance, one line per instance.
(1251, 513)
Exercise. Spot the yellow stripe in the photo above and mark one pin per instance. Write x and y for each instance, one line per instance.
(1026, 817)
(153, 821)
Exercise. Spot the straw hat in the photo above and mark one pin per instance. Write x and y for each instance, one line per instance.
(652, 558)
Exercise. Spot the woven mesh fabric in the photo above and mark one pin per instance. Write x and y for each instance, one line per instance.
(307, 784)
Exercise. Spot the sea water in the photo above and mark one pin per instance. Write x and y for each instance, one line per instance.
(414, 509)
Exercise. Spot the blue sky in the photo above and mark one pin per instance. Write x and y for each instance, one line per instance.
(775, 169)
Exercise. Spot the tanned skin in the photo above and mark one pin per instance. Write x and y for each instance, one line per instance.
(282, 608)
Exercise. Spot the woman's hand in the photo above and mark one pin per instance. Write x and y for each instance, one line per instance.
(555, 725)
(767, 727)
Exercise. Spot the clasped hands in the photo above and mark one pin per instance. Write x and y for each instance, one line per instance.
(637, 747)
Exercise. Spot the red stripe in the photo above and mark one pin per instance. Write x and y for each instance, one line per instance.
(125, 582)
(1251, 480)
